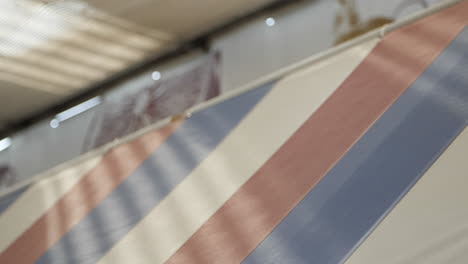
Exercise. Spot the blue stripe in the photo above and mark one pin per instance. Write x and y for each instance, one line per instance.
(8, 200)
(381, 167)
(144, 189)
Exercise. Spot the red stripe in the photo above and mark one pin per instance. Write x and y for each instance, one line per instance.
(259, 206)
(114, 168)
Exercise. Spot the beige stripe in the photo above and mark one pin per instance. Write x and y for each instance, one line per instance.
(430, 225)
(72, 17)
(38, 73)
(45, 31)
(15, 78)
(247, 148)
(55, 65)
(38, 199)
(84, 196)
(20, 42)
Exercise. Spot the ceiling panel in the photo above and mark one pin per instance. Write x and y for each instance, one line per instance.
(186, 18)
(18, 101)
(52, 49)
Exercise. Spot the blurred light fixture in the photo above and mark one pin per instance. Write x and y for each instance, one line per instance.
(5, 144)
(156, 76)
(74, 111)
(270, 21)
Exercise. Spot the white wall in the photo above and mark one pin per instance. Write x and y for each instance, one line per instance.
(255, 49)
(248, 52)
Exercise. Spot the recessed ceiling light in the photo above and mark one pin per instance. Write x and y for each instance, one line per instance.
(270, 21)
(156, 76)
(5, 143)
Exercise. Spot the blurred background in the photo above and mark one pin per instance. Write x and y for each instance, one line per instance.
(76, 75)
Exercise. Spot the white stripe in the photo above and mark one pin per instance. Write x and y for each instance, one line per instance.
(235, 160)
(38, 199)
(430, 225)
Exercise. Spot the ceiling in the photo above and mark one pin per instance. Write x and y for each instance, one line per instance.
(51, 50)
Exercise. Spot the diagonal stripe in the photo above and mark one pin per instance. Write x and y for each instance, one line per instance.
(8, 200)
(430, 224)
(85, 195)
(254, 211)
(39, 198)
(331, 221)
(89, 240)
(205, 190)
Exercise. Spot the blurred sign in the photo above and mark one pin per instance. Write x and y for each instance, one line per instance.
(166, 96)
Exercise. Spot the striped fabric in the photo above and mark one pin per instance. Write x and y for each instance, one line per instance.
(300, 170)
(430, 225)
(9, 199)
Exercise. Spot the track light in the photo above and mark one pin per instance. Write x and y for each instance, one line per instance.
(270, 21)
(5, 144)
(74, 111)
